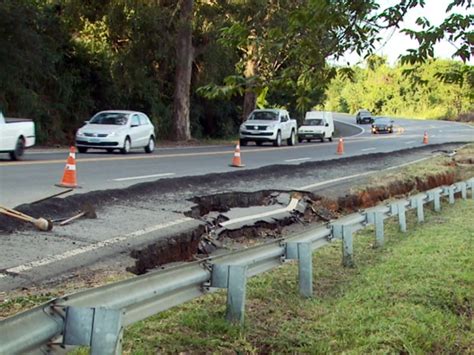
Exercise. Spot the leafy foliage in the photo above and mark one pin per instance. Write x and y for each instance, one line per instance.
(434, 89)
(62, 61)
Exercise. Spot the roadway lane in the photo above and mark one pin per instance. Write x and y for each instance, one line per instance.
(22, 182)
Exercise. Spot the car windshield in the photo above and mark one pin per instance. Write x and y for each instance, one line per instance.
(382, 121)
(264, 115)
(313, 122)
(113, 118)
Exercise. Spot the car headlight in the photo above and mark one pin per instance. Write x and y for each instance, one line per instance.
(113, 134)
(79, 134)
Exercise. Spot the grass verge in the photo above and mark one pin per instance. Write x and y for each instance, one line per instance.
(413, 296)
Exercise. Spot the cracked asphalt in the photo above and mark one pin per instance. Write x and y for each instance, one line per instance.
(132, 218)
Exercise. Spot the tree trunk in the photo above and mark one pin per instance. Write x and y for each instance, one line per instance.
(184, 62)
(250, 102)
(250, 96)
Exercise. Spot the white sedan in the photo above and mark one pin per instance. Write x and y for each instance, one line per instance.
(121, 130)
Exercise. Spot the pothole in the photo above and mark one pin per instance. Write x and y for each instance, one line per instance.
(263, 215)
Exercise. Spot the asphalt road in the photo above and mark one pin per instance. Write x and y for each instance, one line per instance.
(34, 178)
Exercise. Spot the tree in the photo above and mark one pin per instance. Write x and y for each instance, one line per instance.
(183, 71)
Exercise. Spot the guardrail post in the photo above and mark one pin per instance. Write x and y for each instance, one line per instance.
(462, 186)
(304, 256)
(99, 328)
(417, 202)
(470, 182)
(435, 195)
(347, 249)
(379, 229)
(450, 191)
(402, 220)
(234, 278)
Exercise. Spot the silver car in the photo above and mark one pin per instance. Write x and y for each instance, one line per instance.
(123, 130)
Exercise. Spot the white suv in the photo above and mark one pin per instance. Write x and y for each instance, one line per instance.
(268, 125)
(121, 130)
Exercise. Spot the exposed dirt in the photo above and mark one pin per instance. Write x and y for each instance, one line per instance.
(318, 209)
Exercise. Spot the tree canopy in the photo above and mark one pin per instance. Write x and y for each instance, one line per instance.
(196, 67)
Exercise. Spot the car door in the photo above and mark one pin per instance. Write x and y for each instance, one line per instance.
(144, 130)
(285, 126)
(135, 131)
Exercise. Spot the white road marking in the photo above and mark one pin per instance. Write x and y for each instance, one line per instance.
(334, 180)
(144, 177)
(54, 258)
(410, 142)
(299, 159)
(291, 206)
(367, 149)
(361, 174)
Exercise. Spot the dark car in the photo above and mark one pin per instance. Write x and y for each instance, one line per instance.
(364, 116)
(382, 124)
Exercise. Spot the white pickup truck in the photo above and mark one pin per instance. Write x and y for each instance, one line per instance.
(16, 134)
(268, 125)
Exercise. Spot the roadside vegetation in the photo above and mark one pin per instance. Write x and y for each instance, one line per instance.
(198, 67)
(406, 91)
(413, 296)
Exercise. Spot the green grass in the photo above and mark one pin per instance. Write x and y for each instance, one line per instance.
(413, 296)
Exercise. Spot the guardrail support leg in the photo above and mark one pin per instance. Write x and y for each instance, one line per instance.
(379, 229)
(100, 328)
(419, 210)
(451, 195)
(463, 187)
(402, 220)
(234, 279)
(305, 269)
(471, 184)
(347, 249)
(236, 293)
(302, 251)
(437, 200)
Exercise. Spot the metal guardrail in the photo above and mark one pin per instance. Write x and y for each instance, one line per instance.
(96, 317)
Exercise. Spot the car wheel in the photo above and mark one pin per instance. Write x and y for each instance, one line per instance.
(19, 149)
(259, 143)
(300, 140)
(110, 150)
(151, 146)
(243, 142)
(330, 139)
(292, 140)
(126, 146)
(82, 149)
(322, 138)
(277, 141)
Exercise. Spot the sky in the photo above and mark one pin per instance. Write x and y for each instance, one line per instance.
(397, 43)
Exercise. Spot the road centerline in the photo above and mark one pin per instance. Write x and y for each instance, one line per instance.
(143, 177)
(298, 159)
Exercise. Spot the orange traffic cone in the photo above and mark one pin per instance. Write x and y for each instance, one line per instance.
(236, 162)
(425, 138)
(69, 178)
(340, 147)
